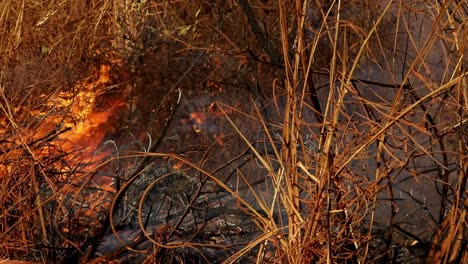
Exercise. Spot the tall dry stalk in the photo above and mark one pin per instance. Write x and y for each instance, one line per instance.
(317, 193)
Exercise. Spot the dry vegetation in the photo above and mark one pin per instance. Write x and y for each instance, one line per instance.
(339, 128)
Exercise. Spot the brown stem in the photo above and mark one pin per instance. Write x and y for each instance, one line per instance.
(260, 35)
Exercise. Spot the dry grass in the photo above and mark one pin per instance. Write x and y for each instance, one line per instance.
(357, 130)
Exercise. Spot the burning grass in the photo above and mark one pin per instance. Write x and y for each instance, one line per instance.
(318, 137)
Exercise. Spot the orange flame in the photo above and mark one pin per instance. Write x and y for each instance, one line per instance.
(89, 125)
(88, 113)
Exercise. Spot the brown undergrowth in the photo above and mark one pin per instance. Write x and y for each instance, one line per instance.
(230, 131)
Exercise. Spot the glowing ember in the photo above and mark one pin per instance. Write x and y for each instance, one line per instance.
(219, 139)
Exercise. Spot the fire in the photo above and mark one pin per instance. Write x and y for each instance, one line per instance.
(89, 124)
(69, 121)
(198, 119)
(63, 134)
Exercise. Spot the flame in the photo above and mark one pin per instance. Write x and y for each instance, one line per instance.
(87, 114)
(198, 119)
(89, 124)
(72, 126)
